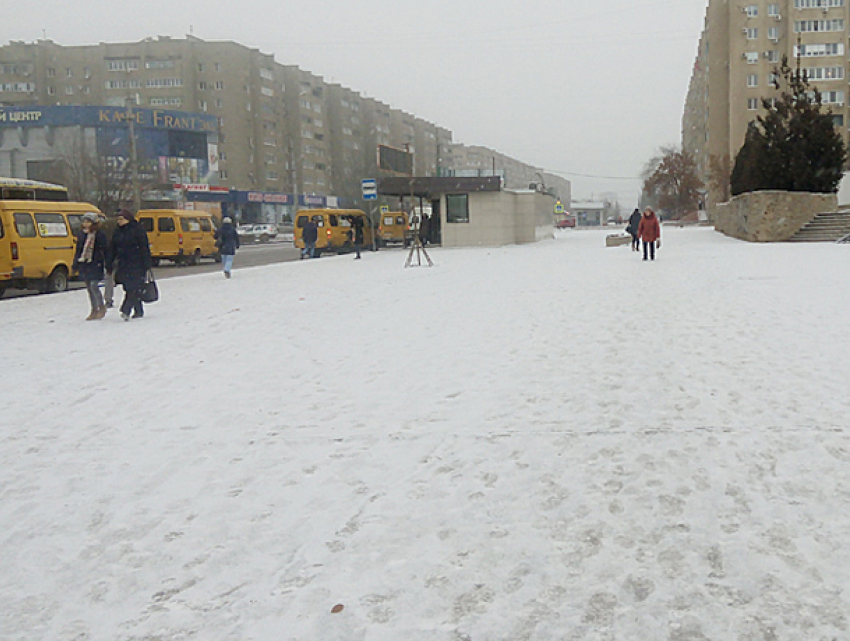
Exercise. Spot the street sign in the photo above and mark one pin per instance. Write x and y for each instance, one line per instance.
(385, 209)
(370, 189)
(559, 208)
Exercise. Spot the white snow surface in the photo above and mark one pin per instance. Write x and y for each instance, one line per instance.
(555, 441)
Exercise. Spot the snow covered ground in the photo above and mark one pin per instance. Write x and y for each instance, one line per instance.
(546, 442)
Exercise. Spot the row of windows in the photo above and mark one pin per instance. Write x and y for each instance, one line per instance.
(817, 4)
(203, 85)
(16, 69)
(69, 72)
(805, 26)
(17, 87)
(827, 98)
(816, 50)
(134, 64)
(751, 56)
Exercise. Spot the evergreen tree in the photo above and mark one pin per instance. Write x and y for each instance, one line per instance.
(794, 146)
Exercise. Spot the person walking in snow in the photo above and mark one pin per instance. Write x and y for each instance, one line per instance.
(132, 253)
(358, 235)
(649, 231)
(310, 234)
(90, 259)
(227, 241)
(632, 229)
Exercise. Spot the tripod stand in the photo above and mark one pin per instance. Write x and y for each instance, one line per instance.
(417, 248)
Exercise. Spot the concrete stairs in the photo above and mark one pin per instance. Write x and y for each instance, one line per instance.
(824, 228)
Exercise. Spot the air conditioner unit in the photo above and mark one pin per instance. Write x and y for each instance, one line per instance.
(774, 39)
(745, 30)
(777, 17)
(766, 54)
(824, 8)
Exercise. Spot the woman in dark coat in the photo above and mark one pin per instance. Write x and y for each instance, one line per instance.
(228, 242)
(89, 260)
(131, 250)
(634, 223)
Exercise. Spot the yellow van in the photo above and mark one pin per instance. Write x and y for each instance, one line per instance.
(336, 230)
(182, 236)
(395, 228)
(38, 242)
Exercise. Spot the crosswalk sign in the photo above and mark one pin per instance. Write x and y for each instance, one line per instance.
(559, 208)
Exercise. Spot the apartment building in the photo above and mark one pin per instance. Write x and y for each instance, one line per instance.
(741, 45)
(475, 160)
(282, 130)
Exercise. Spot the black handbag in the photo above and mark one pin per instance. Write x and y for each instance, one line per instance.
(150, 292)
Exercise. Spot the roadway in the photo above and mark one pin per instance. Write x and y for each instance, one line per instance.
(248, 256)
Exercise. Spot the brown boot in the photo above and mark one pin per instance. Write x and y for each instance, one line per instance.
(100, 313)
(93, 315)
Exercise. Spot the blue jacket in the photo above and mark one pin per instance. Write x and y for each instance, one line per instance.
(228, 240)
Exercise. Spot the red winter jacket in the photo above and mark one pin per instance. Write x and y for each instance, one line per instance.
(649, 229)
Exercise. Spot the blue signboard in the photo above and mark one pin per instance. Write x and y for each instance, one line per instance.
(370, 189)
(65, 116)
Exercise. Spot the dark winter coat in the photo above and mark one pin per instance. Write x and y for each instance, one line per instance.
(649, 229)
(130, 248)
(228, 240)
(634, 223)
(358, 231)
(310, 233)
(92, 271)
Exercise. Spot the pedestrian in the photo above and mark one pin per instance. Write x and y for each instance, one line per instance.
(358, 234)
(310, 234)
(90, 260)
(425, 230)
(131, 254)
(227, 241)
(632, 229)
(649, 231)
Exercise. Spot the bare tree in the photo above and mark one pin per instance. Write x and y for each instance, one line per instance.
(104, 181)
(674, 184)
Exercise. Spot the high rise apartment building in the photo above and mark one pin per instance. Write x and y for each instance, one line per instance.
(742, 44)
(281, 129)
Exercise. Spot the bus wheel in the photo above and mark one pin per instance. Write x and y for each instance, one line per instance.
(195, 258)
(57, 281)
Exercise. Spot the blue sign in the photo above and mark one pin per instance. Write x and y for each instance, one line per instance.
(370, 189)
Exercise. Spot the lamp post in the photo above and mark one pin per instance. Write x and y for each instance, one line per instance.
(134, 157)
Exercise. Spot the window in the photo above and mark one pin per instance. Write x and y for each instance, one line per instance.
(87, 72)
(752, 104)
(752, 57)
(159, 64)
(219, 85)
(222, 174)
(817, 4)
(218, 66)
(773, 10)
(773, 33)
(146, 223)
(772, 55)
(202, 85)
(219, 103)
(457, 208)
(838, 120)
(801, 26)
(269, 93)
(51, 91)
(201, 67)
(753, 80)
(75, 221)
(190, 224)
(752, 10)
(24, 226)
(69, 90)
(817, 50)
(51, 72)
(206, 225)
(122, 65)
(752, 33)
(165, 224)
(824, 73)
(69, 73)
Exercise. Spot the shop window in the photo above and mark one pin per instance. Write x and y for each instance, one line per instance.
(457, 208)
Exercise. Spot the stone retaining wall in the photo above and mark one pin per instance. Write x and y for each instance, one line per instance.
(770, 216)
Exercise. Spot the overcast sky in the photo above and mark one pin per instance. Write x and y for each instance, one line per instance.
(587, 88)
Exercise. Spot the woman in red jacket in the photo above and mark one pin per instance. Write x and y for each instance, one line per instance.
(649, 232)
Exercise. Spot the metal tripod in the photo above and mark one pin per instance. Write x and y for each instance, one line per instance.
(419, 249)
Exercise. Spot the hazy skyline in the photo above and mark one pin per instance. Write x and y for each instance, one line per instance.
(589, 90)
